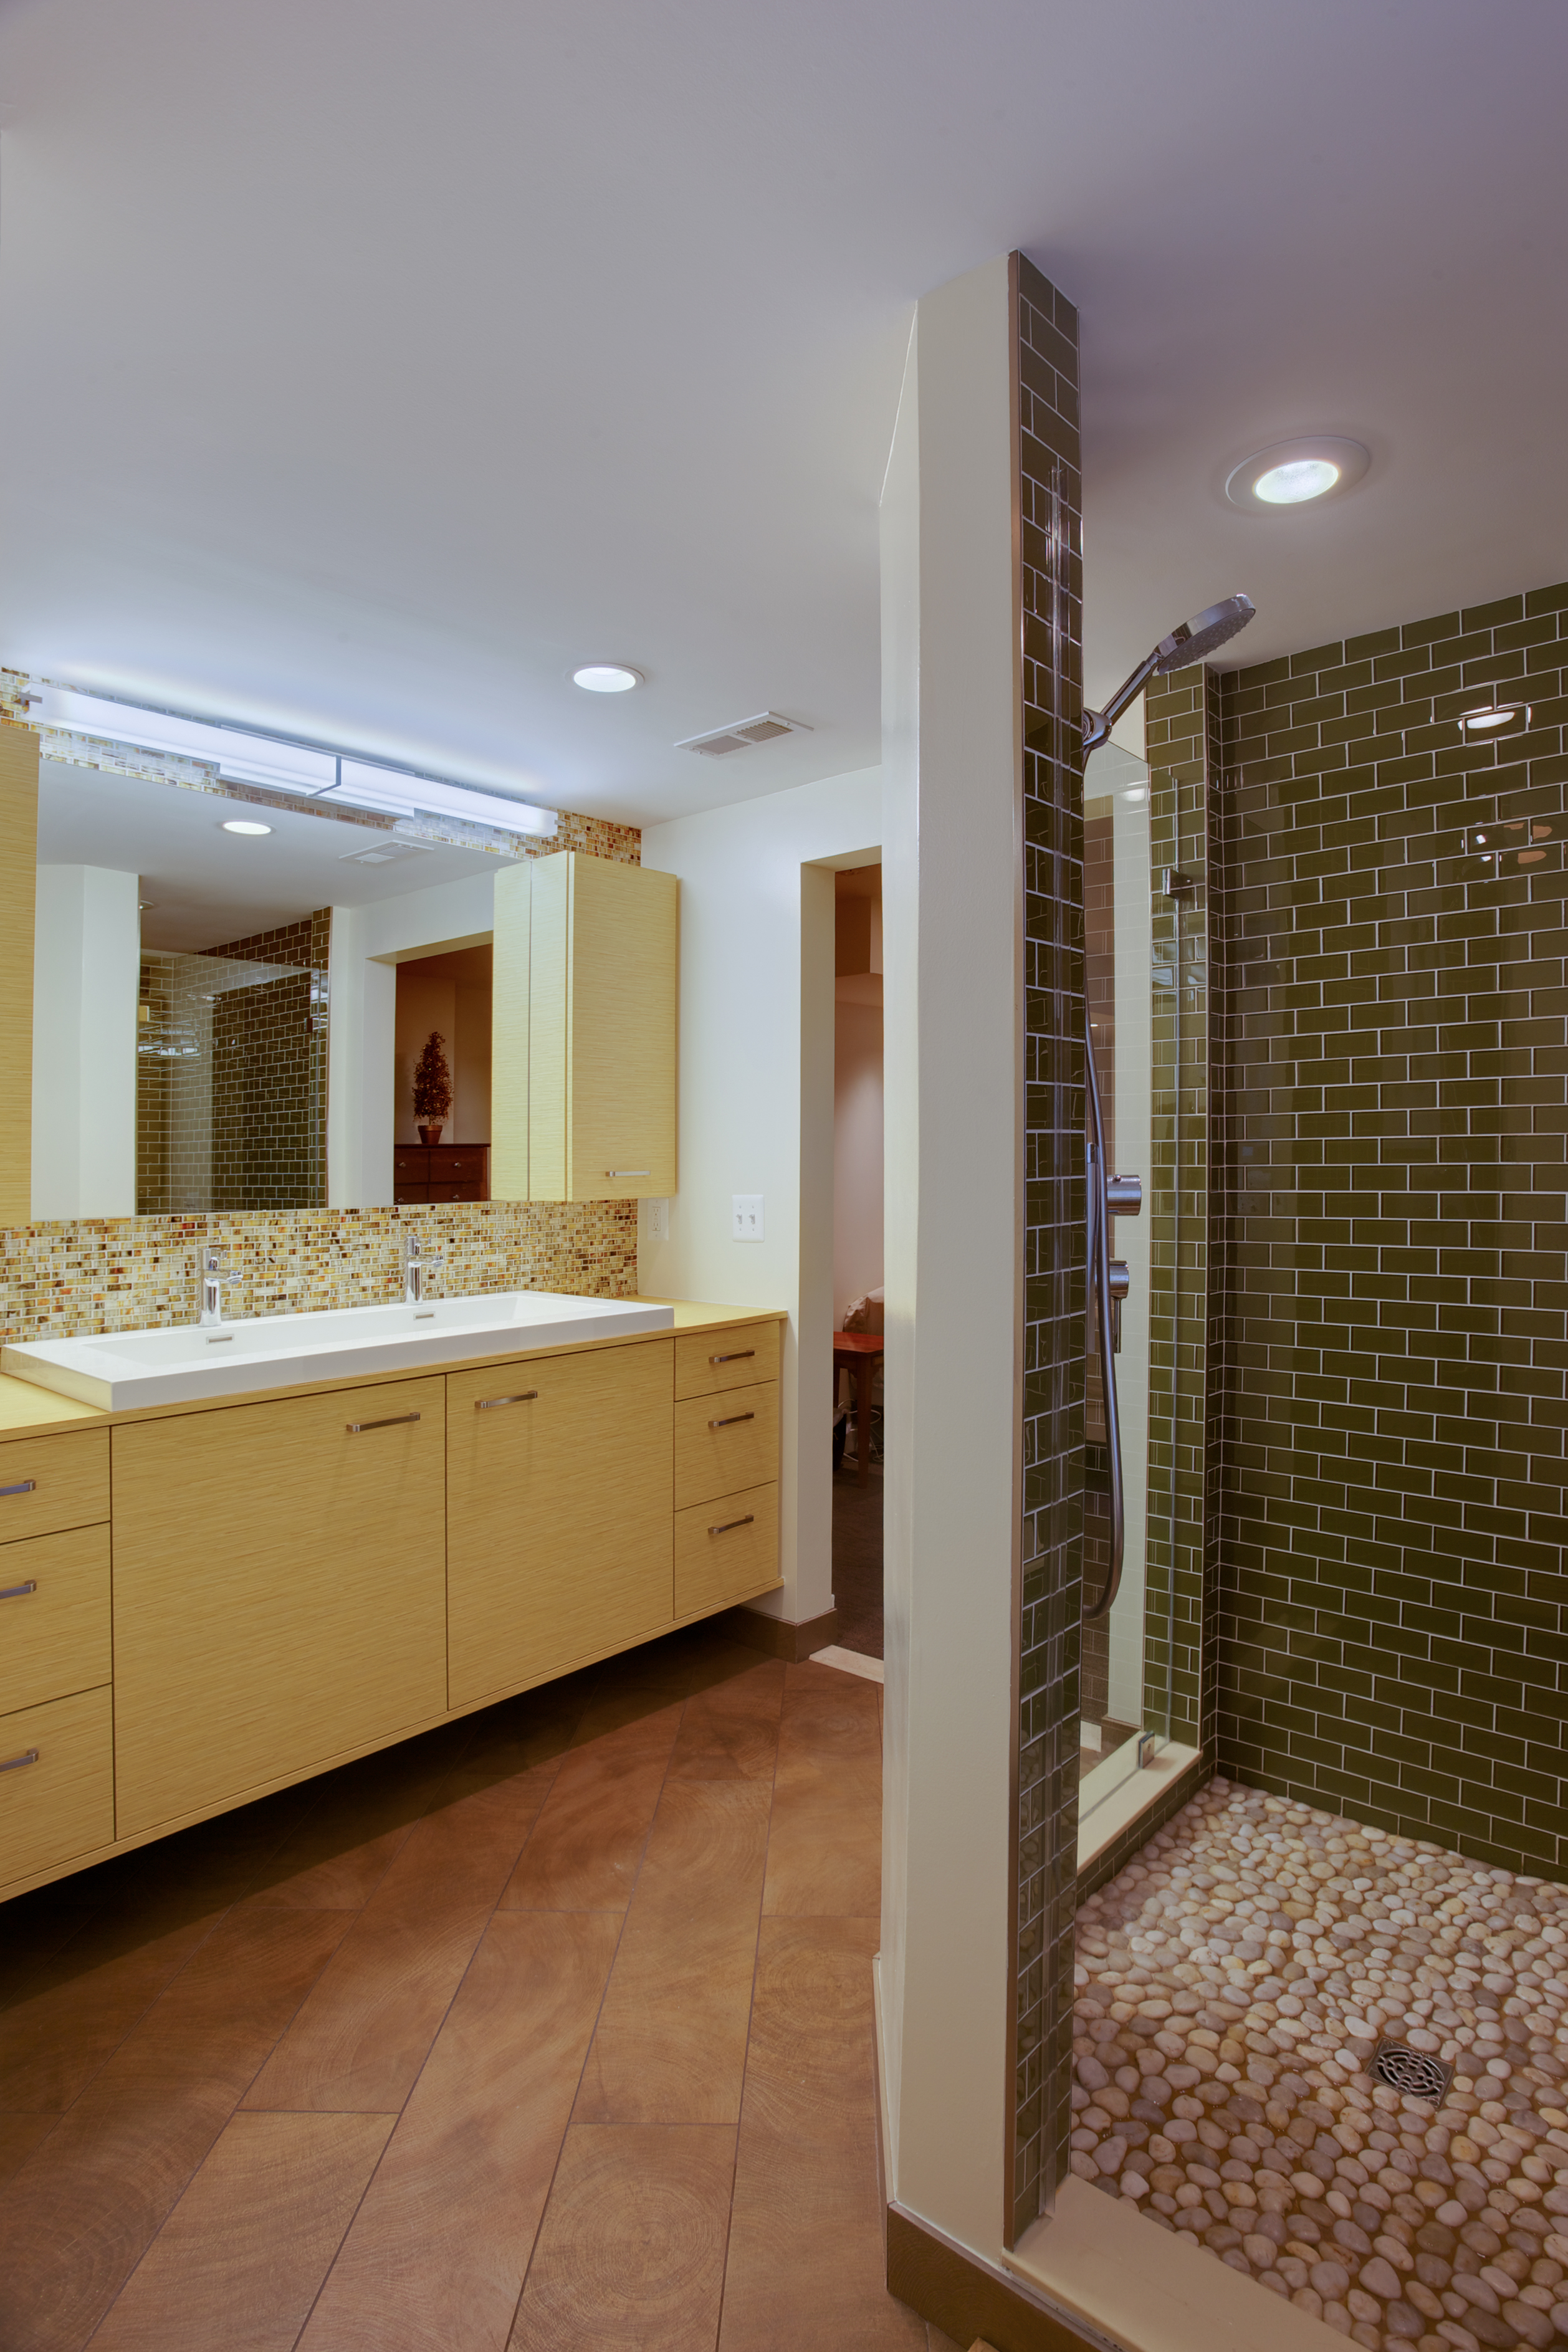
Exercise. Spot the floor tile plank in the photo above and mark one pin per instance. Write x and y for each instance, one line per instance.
(671, 2041)
(731, 1730)
(631, 2254)
(241, 2257)
(78, 2214)
(825, 1853)
(585, 1848)
(436, 2258)
(805, 2264)
(366, 2027)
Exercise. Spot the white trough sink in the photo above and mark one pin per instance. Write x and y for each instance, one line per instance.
(192, 1360)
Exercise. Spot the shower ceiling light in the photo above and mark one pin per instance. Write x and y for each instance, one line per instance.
(243, 824)
(1491, 718)
(607, 677)
(1297, 473)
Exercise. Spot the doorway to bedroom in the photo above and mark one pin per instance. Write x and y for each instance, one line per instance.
(858, 1296)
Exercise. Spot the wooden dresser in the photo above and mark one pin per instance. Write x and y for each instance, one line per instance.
(440, 1172)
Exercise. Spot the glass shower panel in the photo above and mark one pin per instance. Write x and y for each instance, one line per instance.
(1125, 1701)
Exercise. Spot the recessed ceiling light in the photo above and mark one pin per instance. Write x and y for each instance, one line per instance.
(243, 824)
(1297, 473)
(607, 677)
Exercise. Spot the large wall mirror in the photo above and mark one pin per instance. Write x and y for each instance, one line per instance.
(230, 999)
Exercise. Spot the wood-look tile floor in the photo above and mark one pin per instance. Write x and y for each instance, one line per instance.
(549, 2029)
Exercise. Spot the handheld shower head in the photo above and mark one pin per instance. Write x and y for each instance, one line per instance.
(1193, 642)
(1204, 634)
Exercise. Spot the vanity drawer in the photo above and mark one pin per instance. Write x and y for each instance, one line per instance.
(53, 1482)
(707, 1362)
(726, 1551)
(54, 1617)
(725, 1442)
(57, 1782)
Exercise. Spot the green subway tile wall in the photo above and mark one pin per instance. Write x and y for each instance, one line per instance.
(1393, 1640)
(1052, 1602)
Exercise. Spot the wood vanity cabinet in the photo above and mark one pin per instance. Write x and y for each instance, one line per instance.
(57, 1761)
(583, 1039)
(279, 1590)
(559, 1501)
(288, 1583)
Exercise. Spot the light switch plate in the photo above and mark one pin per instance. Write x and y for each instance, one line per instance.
(655, 1220)
(746, 1217)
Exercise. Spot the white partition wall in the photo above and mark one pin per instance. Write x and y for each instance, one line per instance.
(86, 979)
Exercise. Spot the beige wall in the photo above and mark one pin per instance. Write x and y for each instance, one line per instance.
(756, 1107)
(857, 1153)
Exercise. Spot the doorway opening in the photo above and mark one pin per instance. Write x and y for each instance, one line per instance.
(443, 1023)
(857, 1267)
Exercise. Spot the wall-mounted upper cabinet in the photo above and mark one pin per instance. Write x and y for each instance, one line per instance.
(582, 1105)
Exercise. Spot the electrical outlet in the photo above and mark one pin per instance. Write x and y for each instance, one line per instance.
(656, 1220)
(746, 1217)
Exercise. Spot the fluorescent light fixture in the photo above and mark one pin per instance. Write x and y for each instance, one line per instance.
(1296, 474)
(367, 786)
(607, 677)
(244, 825)
(1490, 718)
(242, 757)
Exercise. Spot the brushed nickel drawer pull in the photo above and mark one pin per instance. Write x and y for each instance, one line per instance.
(392, 1421)
(628, 1171)
(733, 1523)
(487, 1404)
(22, 1486)
(730, 1419)
(15, 1763)
(739, 1357)
(18, 1591)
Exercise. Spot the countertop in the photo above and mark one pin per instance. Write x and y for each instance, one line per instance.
(30, 1411)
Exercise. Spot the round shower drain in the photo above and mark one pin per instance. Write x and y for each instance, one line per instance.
(1410, 2072)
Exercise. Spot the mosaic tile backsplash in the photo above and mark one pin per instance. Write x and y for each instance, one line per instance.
(126, 1274)
(1394, 1610)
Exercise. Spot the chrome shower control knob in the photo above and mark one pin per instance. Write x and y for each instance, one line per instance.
(1124, 1195)
(1121, 1279)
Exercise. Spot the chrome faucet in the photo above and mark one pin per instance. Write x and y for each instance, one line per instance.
(417, 1259)
(213, 1280)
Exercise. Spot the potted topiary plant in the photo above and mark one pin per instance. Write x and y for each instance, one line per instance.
(432, 1089)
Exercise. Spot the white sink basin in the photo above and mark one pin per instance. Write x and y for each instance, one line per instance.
(272, 1351)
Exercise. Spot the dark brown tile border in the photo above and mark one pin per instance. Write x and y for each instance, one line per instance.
(779, 1637)
(967, 2299)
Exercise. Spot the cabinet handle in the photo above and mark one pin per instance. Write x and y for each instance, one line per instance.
(18, 1591)
(628, 1171)
(15, 1763)
(733, 1523)
(730, 1419)
(22, 1486)
(487, 1404)
(739, 1357)
(392, 1421)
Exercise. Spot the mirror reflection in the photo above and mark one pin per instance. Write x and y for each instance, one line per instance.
(183, 1059)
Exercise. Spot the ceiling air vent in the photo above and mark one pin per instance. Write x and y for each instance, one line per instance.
(721, 741)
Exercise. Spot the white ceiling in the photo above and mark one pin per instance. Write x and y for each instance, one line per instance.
(367, 364)
(202, 886)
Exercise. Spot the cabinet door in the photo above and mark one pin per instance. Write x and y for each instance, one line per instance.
(279, 1591)
(582, 1072)
(559, 1498)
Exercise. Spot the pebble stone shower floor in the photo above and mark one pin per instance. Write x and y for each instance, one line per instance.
(1235, 1979)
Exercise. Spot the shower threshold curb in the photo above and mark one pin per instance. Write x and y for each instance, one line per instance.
(1115, 2273)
